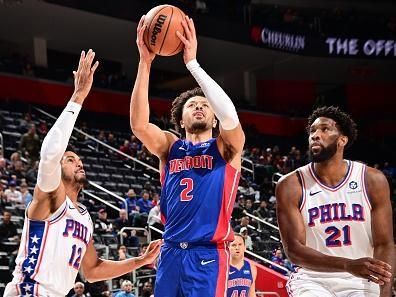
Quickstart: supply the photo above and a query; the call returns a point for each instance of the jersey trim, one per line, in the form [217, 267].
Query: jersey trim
[331, 188]
[303, 196]
[224, 266]
[364, 186]
[231, 178]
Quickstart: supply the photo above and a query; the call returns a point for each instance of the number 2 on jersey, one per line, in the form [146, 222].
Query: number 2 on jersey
[335, 233]
[189, 185]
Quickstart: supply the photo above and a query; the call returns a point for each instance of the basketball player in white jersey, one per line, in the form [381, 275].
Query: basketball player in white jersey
[335, 217]
[57, 233]
[242, 274]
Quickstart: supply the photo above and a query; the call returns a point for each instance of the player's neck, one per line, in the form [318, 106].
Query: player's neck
[332, 171]
[199, 137]
[72, 191]
[237, 263]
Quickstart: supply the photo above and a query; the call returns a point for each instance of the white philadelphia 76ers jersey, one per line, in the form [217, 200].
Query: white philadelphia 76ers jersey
[51, 252]
[337, 219]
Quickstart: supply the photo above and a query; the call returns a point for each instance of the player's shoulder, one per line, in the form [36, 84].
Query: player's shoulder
[375, 178]
[289, 179]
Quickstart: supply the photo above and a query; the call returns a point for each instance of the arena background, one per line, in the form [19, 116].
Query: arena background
[277, 60]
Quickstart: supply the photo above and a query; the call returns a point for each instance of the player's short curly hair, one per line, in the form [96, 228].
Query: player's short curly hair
[344, 122]
[177, 109]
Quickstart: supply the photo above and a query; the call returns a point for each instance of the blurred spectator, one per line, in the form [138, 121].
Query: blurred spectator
[244, 223]
[8, 230]
[144, 204]
[79, 289]
[126, 289]
[25, 123]
[31, 174]
[247, 238]
[131, 202]
[43, 128]
[12, 194]
[155, 199]
[122, 221]
[30, 143]
[147, 290]
[154, 219]
[26, 196]
[123, 253]
[4, 174]
[131, 240]
[262, 212]
[18, 170]
[278, 259]
[126, 148]
[102, 225]
[249, 206]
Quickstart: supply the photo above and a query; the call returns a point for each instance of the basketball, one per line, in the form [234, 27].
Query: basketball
[162, 22]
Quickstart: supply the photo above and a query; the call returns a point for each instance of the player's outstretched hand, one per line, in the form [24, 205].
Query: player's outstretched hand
[190, 40]
[83, 77]
[145, 55]
[152, 251]
[371, 269]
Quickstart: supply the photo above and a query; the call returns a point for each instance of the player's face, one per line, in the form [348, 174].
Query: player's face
[197, 115]
[237, 248]
[72, 169]
[323, 139]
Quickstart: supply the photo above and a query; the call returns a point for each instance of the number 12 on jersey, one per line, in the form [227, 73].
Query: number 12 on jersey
[188, 185]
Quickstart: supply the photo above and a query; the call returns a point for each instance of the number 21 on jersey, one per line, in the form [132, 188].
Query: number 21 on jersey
[188, 185]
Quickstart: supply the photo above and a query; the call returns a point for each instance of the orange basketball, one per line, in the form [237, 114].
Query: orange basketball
[160, 35]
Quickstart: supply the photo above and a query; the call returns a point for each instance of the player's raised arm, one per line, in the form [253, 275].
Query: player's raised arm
[49, 193]
[381, 222]
[292, 230]
[156, 140]
[96, 269]
[231, 132]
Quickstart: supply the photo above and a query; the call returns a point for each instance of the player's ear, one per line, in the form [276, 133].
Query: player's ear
[214, 123]
[182, 124]
[343, 140]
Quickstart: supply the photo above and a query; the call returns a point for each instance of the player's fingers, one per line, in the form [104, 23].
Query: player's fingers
[86, 65]
[187, 30]
[192, 28]
[182, 38]
[90, 59]
[82, 57]
[74, 73]
[140, 24]
[379, 270]
[141, 34]
[380, 263]
[373, 278]
[95, 66]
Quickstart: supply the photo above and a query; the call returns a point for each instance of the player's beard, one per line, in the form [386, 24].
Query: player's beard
[197, 127]
[325, 154]
[81, 180]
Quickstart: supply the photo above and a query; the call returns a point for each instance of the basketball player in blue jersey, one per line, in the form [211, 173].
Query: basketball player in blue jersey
[335, 217]
[199, 176]
[57, 234]
[242, 275]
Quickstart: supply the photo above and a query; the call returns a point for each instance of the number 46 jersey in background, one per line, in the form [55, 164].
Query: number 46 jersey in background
[51, 252]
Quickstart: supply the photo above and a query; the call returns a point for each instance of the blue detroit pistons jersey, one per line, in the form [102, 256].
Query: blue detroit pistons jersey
[239, 280]
[198, 193]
